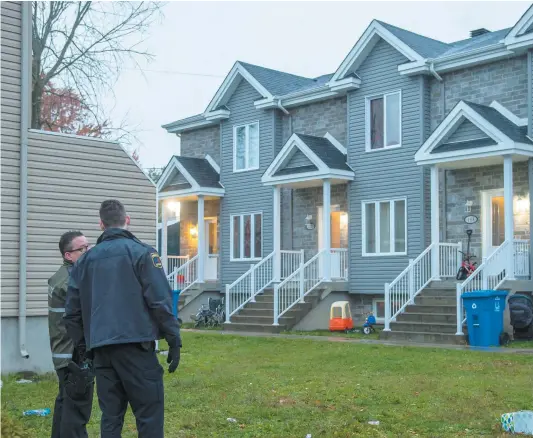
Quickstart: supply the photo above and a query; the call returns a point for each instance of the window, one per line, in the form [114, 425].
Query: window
[378, 308]
[246, 147]
[384, 227]
[384, 121]
[246, 236]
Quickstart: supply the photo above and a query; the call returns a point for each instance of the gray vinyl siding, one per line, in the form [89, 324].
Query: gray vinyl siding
[68, 178]
[384, 174]
[464, 132]
[244, 190]
[297, 160]
[10, 43]
[530, 93]
[425, 121]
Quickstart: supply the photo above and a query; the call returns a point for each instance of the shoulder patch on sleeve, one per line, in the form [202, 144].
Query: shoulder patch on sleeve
[156, 260]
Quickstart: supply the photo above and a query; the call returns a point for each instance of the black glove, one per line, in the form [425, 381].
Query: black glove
[173, 358]
[79, 379]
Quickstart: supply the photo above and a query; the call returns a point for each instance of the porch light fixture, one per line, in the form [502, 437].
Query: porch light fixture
[193, 232]
[344, 219]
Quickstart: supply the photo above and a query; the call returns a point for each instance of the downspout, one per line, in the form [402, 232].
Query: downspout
[24, 127]
[291, 203]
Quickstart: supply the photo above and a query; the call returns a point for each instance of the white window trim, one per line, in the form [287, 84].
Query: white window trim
[241, 237]
[247, 146]
[368, 145]
[377, 225]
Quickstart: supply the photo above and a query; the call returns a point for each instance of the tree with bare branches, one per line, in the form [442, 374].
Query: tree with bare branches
[81, 47]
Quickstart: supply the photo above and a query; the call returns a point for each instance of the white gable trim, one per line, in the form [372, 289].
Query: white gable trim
[323, 170]
[187, 193]
[213, 163]
[176, 165]
[462, 110]
[508, 114]
[336, 143]
[228, 87]
[360, 51]
[521, 25]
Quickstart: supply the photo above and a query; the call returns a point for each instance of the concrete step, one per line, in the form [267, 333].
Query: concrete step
[251, 327]
[435, 300]
[259, 309]
[435, 338]
[263, 320]
[438, 292]
[449, 318]
[423, 327]
[430, 309]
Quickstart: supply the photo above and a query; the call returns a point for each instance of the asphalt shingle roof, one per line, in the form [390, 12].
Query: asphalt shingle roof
[326, 151]
[499, 121]
[458, 146]
[201, 170]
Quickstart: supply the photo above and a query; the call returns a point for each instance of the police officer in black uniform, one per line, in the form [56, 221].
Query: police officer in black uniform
[119, 303]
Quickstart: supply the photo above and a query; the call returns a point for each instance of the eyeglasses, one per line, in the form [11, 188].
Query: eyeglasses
[81, 249]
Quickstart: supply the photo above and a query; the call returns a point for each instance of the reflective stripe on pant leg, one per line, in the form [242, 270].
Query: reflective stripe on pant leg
[61, 356]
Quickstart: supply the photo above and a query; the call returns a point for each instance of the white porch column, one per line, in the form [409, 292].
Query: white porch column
[276, 234]
[435, 223]
[508, 208]
[326, 220]
[164, 236]
[201, 239]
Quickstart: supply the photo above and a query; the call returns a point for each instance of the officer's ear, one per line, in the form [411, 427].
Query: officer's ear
[128, 220]
[102, 227]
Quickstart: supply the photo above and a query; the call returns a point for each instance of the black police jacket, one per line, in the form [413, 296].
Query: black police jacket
[118, 293]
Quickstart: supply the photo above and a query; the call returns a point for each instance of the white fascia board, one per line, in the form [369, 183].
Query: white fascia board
[308, 176]
[414, 68]
[175, 164]
[470, 59]
[460, 110]
[177, 127]
[336, 143]
[345, 84]
[227, 85]
[374, 30]
[521, 26]
[467, 154]
[521, 43]
[177, 194]
[215, 116]
[300, 98]
[213, 163]
[508, 114]
[166, 173]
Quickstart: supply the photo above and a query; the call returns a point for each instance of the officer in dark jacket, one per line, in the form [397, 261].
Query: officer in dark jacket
[72, 408]
[119, 302]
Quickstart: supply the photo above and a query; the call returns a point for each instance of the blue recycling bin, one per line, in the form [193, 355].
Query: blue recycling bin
[484, 316]
[175, 299]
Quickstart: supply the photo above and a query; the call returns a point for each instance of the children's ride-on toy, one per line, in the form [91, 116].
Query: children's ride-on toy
[340, 317]
[368, 326]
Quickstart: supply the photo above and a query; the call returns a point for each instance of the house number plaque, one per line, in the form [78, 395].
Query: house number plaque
[470, 219]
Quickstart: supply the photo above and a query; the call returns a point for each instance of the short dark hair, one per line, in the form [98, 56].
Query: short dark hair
[65, 242]
[112, 214]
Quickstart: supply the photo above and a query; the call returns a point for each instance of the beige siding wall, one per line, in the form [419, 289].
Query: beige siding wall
[10, 41]
[68, 178]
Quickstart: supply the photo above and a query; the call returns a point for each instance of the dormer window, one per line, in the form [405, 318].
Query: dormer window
[384, 121]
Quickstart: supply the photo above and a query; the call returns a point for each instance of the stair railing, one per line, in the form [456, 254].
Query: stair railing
[297, 286]
[186, 275]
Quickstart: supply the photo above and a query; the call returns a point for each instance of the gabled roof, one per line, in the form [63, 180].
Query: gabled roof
[187, 176]
[519, 35]
[322, 158]
[501, 132]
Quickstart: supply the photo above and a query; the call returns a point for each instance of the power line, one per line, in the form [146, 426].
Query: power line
[174, 72]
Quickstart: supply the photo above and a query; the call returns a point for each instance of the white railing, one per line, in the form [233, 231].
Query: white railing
[488, 276]
[339, 264]
[172, 279]
[174, 262]
[186, 275]
[521, 254]
[296, 286]
[290, 261]
[403, 290]
[248, 285]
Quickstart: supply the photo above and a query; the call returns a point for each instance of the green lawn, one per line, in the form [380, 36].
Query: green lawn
[277, 387]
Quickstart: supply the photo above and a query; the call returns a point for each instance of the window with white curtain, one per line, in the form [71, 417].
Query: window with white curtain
[246, 147]
[246, 236]
[384, 227]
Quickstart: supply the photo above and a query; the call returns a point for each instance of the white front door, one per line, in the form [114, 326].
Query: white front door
[211, 249]
[339, 229]
[493, 217]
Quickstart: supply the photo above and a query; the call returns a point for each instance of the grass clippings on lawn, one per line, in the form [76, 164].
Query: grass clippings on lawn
[276, 387]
